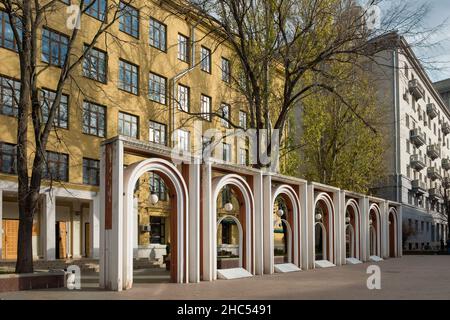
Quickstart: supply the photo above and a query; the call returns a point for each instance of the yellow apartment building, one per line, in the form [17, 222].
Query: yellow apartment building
[155, 63]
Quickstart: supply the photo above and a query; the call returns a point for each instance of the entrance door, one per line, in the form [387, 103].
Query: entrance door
[87, 239]
[61, 240]
[9, 239]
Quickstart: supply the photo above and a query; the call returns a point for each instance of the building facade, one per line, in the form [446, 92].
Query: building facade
[417, 126]
[144, 79]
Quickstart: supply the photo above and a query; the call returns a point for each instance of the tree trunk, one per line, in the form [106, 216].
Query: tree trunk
[24, 262]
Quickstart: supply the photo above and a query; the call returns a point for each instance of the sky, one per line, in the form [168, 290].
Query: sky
[436, 58]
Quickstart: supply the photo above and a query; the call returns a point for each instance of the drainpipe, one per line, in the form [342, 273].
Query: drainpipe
[173, 82]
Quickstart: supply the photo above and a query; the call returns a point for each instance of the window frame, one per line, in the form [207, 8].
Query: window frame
[3, 33]
[58, 163]
[97, 6]
[209, 60]
[226, 74]
[187, 54]
[206, 114]
[61, 58]
[90, 103]
[162, 125]
[14, 105]
[137, 125]
[137, 80]
[12, 154]
[165, 87]
[58, 111]
[89, 169]
[97, 69]
[150, 33]
[188, 98]
[138, 31]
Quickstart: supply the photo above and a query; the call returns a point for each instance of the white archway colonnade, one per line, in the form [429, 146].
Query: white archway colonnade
[194, 189]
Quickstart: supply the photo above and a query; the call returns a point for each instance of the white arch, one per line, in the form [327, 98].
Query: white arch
[325, 197]
[324, 238]
[393, 211]
[294, 230]
[238, 223]
[131, 175]
[235, 180]
[357, 230]
[374, 207]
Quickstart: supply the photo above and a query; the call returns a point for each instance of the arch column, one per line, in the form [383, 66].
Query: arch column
[270, 196]
[210, 258]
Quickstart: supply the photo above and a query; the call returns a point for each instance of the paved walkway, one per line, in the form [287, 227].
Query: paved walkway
[410, 277]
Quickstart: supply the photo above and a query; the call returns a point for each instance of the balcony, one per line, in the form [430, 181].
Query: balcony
[417, 137]
[433, 173]
[432, 110]
[434, 194]
[416, 89]
[419, 187]
[445, 128]
[417, 162]
[434, 151]
[446, 164]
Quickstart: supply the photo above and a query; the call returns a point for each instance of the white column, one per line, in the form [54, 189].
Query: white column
[94, 223]
[364, 211]
[342, 241]
[76, 230]
[384, 239]
[1, 222]
[135, 228]
[112, 263]
[208, 223]
[309, 225]
[268, 225]
[48, 226]
[337, 228]
[259, 223]
[400, 231]
[194, 223]
[304, 230]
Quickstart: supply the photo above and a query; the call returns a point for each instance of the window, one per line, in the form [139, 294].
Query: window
[91, 171]
[128, 125]
[157, 88]
[205, 59]
[226, 71]
[129, 20]
[157, 34]
[57, 167]
[206, 107]
[94, 65]
[9, 96]
[226, 115]
[243, 156]
[183, 98]
[8, 158]
[183, 48]
[158, 187]
[96, 8]
[157, 133]
[407, 121]
[183, 140]
[226, 195]
[227, 228]
[226, 152]
[7, 39]
[61, 119]
[128, 77]
[158, 230]
[54, 47]
[94, 119]
[243, 120]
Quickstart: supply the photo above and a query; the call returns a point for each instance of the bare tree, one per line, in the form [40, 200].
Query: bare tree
[284, 48]
[26, 19]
